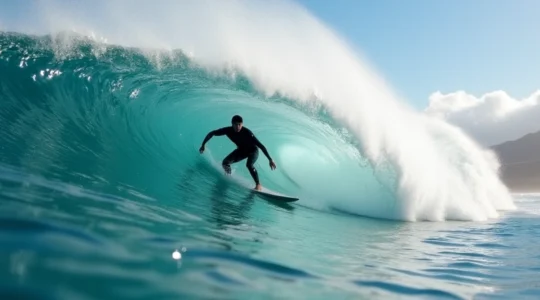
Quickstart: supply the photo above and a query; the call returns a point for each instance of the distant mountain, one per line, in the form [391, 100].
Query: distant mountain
[520, 163]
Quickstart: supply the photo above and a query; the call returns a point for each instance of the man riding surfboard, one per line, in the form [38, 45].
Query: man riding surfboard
[247, 147]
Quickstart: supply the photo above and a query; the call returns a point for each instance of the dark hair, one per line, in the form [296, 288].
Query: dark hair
[236, 119]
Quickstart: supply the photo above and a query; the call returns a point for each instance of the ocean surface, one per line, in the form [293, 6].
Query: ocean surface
[104, 194]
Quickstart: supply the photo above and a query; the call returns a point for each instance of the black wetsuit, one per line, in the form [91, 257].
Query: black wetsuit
[246, 144]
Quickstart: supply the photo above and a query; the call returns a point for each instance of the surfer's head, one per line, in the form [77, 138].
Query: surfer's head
[237, 123]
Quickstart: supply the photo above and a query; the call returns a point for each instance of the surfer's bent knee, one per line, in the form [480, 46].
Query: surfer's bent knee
[225, 163]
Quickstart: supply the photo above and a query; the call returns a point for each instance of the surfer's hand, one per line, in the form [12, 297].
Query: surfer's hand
[201, 150]
[272, 165]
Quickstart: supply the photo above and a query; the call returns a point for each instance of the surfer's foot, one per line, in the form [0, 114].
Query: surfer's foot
[258, 187]
[227, 170]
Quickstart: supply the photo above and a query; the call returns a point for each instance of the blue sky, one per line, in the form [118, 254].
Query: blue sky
[423, 46]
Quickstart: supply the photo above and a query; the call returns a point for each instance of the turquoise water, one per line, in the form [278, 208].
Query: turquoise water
[105, 196]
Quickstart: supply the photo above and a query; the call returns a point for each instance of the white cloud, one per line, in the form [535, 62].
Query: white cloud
[491, 119]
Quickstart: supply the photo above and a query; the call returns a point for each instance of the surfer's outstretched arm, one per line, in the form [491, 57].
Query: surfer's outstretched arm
[212, 133]
[263, 148]
[207, 138]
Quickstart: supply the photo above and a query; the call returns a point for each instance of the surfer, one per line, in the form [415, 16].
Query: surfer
[247, 147]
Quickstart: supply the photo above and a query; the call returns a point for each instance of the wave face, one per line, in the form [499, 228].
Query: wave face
[120, 111]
